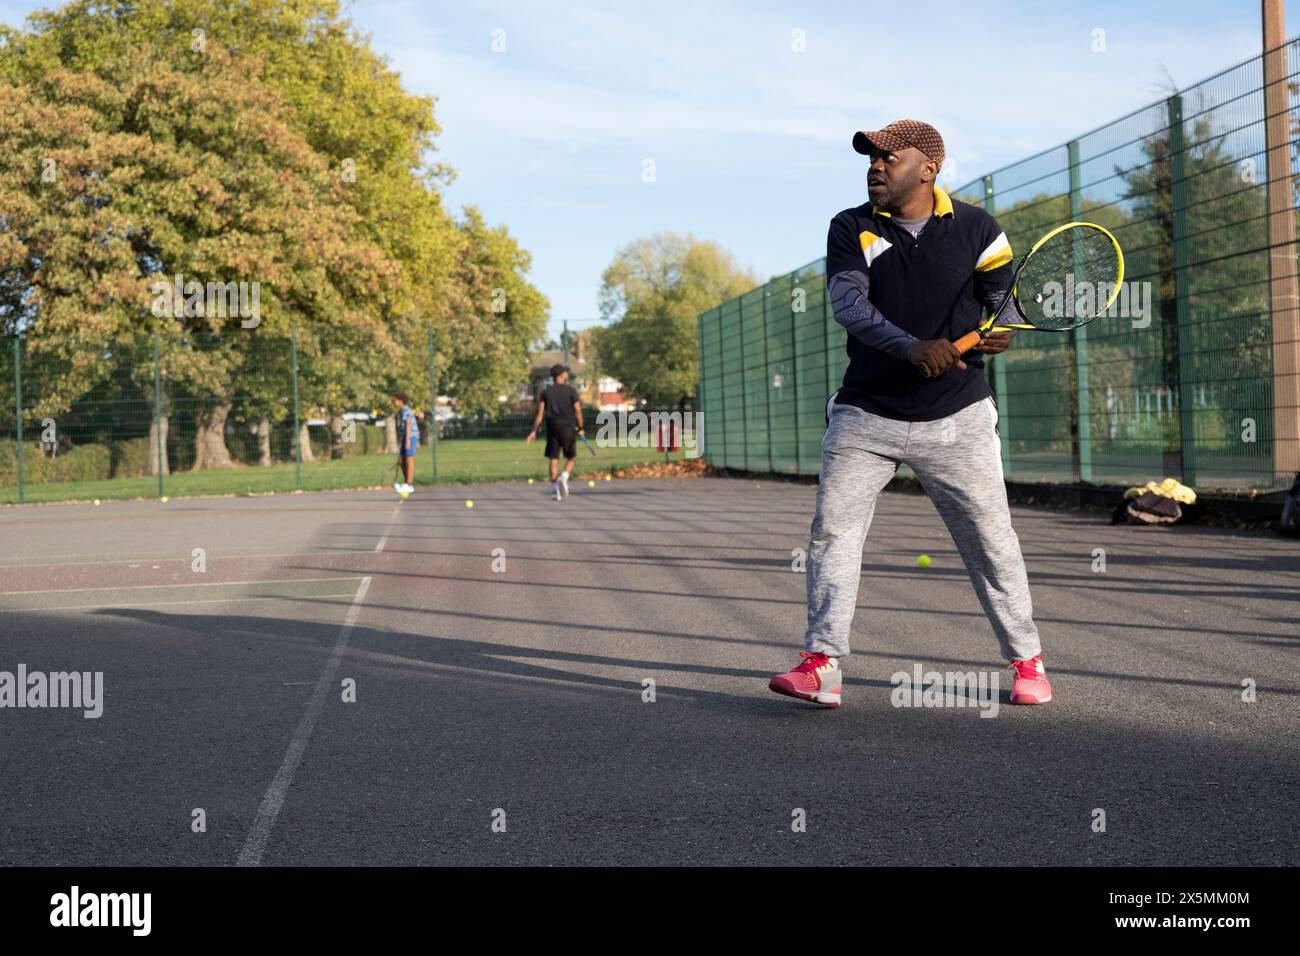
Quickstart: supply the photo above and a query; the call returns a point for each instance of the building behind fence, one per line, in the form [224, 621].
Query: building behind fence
[1200, 189]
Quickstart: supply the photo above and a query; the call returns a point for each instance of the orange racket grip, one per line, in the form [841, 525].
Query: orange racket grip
[967, 342]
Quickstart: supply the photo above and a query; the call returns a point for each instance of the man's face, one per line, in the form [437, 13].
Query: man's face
[893, 178]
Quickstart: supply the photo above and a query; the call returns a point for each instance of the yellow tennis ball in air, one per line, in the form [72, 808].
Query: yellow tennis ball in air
[923, 561]
[469, 504]
[96, 502]
[164, 499]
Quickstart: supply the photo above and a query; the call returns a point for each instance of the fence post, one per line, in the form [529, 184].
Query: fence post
[699, 351]
[767, 379]
[794, 374]
[744, 386]
[297, 427]
[1283, 280]
[1186, 455]
[433, 405]
[720, 403]
[998, 364]
[1082, 445]
[159, 442]
[18, 411]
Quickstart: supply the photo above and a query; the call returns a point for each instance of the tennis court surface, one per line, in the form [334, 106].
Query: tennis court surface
[515, 694]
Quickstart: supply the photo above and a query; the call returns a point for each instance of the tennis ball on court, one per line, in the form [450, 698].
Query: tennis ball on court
[923, 561]
[469, 504]
[405, 494]
[607, 478]
[164, 499]
[96, 502]
[591, 484]
[530, 481]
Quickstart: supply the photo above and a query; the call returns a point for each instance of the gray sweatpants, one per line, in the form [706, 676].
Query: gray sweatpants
[958, 461]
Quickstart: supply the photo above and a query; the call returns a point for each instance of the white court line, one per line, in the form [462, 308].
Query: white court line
[387, 528]
[166, 587]
[36, 561]
[255, 845]
[237, 599]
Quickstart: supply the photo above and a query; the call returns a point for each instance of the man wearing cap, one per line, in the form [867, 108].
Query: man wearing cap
[908, 272]
[563, 412]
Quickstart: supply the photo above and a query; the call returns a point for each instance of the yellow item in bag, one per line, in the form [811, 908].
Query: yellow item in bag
[1169, 488]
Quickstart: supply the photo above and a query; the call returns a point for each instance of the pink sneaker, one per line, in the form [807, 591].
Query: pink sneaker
[818, 679]
[1031, 685]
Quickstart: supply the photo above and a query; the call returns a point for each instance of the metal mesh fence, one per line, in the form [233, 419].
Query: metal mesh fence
[144, 416]
[1194, 372]
[247, 413]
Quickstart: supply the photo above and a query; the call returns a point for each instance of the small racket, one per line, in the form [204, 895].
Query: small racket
[587, 443]
[1084, 251]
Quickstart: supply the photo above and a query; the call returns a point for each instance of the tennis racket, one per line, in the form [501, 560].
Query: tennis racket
[587, 443]
[1083, 252]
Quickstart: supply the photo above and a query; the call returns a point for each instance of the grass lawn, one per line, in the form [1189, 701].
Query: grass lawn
[460, 460]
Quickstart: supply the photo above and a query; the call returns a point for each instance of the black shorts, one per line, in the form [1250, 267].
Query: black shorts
[561, 438]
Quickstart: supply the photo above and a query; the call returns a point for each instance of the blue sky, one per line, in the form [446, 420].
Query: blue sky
[750, 139]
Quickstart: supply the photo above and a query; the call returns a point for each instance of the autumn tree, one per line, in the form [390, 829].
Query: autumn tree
[258, 140]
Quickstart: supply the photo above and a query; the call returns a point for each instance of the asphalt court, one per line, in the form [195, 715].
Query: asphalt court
[516, 690]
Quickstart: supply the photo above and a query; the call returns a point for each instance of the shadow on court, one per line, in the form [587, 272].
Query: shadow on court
[526, 690]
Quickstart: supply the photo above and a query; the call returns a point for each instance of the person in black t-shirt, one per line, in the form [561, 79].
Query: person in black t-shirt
[563, 413]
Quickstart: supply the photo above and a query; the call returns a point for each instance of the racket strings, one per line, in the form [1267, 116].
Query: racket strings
[1069, 279]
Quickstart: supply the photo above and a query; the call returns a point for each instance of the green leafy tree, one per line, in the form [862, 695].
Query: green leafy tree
[654, 291]
[351, 238]
[186, 166]
[493, 315]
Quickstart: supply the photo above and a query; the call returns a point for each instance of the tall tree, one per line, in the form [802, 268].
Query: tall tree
[493, 315]
[654, 291]
[384, 261]
[178, 166]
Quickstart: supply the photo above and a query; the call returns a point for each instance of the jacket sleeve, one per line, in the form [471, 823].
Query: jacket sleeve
[993, 270]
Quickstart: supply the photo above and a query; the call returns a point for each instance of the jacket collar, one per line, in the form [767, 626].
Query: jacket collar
[942, 205]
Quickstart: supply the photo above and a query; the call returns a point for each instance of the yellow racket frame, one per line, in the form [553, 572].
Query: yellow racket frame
[971, 339]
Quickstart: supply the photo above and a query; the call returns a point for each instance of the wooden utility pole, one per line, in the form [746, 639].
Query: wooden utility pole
[1284, 287]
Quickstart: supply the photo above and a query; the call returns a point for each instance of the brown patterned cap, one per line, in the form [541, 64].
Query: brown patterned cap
[899, 135]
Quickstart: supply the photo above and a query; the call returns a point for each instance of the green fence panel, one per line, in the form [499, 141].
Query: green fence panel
[782, 375]
[757, 420]
[711, 386]
[733, 387]
[812, 364]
